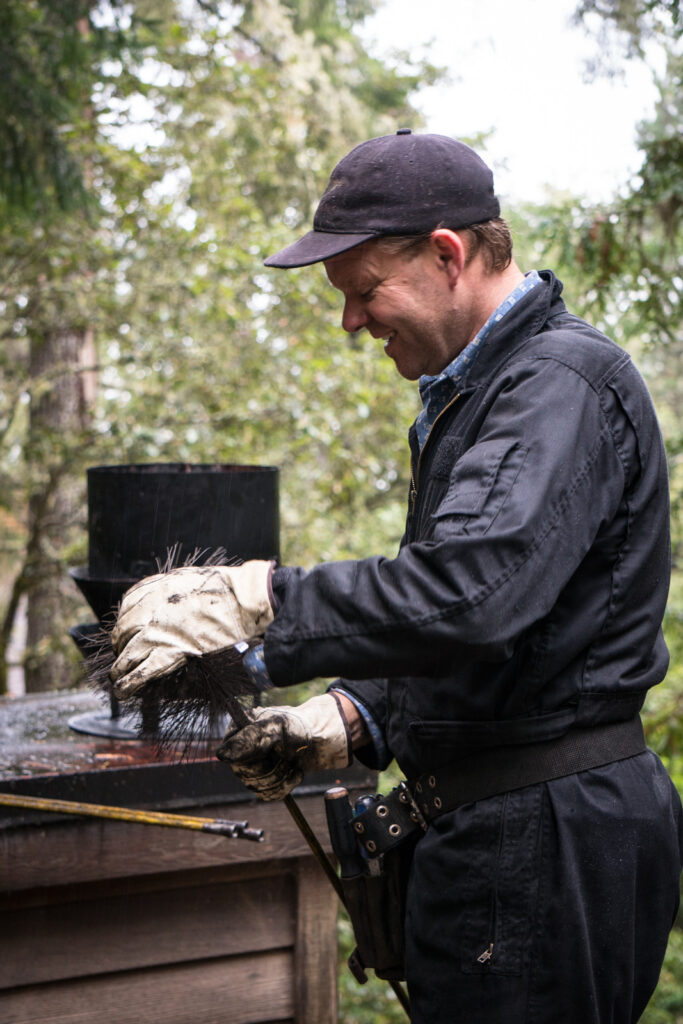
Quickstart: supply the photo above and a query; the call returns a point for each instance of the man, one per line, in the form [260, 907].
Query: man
[512, 640]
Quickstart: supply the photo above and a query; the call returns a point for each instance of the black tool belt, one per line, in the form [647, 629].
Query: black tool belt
[488, 773]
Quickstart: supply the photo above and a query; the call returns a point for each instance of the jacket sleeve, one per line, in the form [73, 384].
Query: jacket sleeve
[522, 508]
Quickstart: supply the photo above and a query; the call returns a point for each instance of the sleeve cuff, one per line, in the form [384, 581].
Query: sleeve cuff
[255, 664]
[277, 585]
[379, 747]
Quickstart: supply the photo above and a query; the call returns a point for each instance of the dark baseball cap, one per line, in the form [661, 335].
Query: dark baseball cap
[400, 184]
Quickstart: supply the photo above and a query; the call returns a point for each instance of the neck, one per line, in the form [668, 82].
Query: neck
[487, 291]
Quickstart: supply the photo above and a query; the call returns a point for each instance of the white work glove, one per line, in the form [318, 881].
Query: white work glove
[271, 754]
[196, 610]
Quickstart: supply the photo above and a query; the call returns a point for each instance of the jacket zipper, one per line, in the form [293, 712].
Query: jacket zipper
[414, 478]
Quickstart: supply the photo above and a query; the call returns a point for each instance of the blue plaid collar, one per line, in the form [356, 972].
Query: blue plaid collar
[436, 392]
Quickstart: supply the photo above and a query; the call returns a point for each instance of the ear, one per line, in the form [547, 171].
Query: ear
[450, 251]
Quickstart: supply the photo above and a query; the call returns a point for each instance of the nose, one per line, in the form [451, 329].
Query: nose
[354, 316]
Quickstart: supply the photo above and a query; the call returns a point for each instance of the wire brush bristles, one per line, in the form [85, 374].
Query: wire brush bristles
[189, 707]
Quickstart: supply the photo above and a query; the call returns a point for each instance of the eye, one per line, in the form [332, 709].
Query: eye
[368, 296]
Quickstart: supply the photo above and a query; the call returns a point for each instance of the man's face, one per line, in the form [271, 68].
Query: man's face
[404, 299]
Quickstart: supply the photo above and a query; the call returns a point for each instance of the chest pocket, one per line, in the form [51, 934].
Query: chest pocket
[479, 485]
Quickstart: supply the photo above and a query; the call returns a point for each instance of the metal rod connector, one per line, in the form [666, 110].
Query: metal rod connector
[219, 826]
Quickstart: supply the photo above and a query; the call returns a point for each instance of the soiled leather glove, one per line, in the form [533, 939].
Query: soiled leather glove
[189, 611]
[272, 753]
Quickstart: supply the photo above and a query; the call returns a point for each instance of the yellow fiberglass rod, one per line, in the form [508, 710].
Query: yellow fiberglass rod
[216, 826]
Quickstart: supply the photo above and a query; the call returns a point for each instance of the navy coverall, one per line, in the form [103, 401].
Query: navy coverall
[526, 599]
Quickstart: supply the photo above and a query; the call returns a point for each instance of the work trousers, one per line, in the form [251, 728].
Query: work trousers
[549, 905]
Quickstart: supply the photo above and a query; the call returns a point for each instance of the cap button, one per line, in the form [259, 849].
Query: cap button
[404, 131]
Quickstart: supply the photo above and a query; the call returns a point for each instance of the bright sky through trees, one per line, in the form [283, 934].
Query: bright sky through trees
[519, 70]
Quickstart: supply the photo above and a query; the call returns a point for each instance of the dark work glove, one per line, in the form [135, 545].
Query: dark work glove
[280, 744]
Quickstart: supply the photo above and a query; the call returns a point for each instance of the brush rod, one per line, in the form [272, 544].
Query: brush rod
[241, 718]
[325, 863]
[216, 826]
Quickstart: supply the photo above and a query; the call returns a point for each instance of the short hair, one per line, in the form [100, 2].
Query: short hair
[492, 239]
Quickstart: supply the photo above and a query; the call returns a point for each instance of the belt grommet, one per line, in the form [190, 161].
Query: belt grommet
[432, 781]
[371, 846]
[382, 811]
[418, 787]
[395, 830]
[437, 803]
[359, 826]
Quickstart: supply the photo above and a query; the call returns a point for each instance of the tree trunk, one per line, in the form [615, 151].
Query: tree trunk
[62, 388]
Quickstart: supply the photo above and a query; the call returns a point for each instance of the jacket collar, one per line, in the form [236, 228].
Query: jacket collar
[523, 321]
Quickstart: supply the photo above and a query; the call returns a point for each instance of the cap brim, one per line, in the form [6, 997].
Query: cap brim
[315, 247]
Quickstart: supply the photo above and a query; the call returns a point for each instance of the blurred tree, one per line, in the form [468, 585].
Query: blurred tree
[51, 55]
[206, 140]
[213, 358]
[45, 56]
[637, 22]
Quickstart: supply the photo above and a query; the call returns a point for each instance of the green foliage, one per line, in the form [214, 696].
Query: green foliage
[206, 133]
[51, 55]
[372, 1003]
[207, 357]
[636, 18]
[38, 100]
[628, 27]
[666, 1006]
